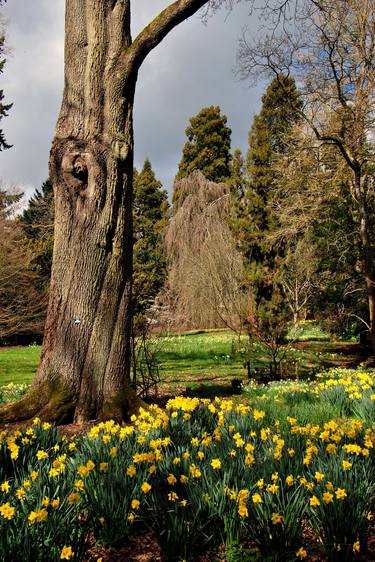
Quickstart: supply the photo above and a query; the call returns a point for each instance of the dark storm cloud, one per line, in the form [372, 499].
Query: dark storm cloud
[190, 69]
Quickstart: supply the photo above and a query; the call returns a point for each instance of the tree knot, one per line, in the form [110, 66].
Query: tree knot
[80, 171]
[75, 171]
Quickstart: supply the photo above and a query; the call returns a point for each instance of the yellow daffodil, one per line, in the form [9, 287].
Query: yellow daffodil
[66, 553]
[7, 511]
[314, 502]
[327, 497]
[145, 487]
[301, 553]
[276, 518]
[340, 494]
[256, 498]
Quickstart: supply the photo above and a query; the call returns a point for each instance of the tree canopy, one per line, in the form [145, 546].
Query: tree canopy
[330, 53]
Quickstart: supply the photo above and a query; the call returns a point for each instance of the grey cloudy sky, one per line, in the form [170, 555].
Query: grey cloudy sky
[190, 69]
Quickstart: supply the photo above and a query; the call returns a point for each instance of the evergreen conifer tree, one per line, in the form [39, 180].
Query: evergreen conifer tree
[150, 218]
[207, 148]
[37, 223]
[268, 138]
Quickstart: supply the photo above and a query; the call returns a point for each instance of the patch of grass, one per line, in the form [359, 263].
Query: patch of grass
[218, 357]
[194, 359]
[199, 354]
[18, 364]
[308, 330]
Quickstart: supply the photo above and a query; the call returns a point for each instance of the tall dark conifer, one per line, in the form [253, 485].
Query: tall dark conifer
[252, 191]
[268, 139]
[207, 148]
[150, 217]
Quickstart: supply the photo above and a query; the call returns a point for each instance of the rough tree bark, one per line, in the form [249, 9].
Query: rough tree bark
[84, 370]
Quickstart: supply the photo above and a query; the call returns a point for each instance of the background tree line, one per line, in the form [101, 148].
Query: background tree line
[256, 241]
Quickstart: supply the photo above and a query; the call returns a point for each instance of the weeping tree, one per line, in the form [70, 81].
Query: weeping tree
[205, 271]
[85, 363]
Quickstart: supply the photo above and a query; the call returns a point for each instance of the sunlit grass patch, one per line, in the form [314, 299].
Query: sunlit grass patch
[18, 364]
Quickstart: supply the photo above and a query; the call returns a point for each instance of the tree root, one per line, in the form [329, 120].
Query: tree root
[49, 401]
[52, 402]
[122, 406]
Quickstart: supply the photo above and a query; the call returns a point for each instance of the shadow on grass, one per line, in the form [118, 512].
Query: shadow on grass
[211, 390]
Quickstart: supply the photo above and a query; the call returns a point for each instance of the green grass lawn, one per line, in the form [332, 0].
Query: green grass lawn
[193, 359]
[215, 358]
[18, 364]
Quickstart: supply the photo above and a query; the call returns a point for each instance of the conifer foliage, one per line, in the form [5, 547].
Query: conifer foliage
[267, 140]
[253, 184]
[37, 222]
[207, 148]
[150, 218]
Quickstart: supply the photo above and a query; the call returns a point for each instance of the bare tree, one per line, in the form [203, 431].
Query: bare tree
[85, 364]
[297, 277]
[22, 305]
[329, 47]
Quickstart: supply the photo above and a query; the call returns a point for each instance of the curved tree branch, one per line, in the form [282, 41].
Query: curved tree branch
[155, 32]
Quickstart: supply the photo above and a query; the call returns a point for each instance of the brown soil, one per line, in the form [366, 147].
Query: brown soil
[143, 547]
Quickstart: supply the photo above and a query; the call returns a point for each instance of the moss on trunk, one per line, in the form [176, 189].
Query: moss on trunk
[50, 401]
[122, 406]
[53, 402]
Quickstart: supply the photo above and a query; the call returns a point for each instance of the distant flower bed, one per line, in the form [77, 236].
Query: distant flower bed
[199, 474]
[353, 390]
[11, 392]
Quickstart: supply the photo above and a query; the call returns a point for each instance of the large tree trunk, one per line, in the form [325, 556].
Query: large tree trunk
[85, 368]
[86, 345]
[84, 371]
